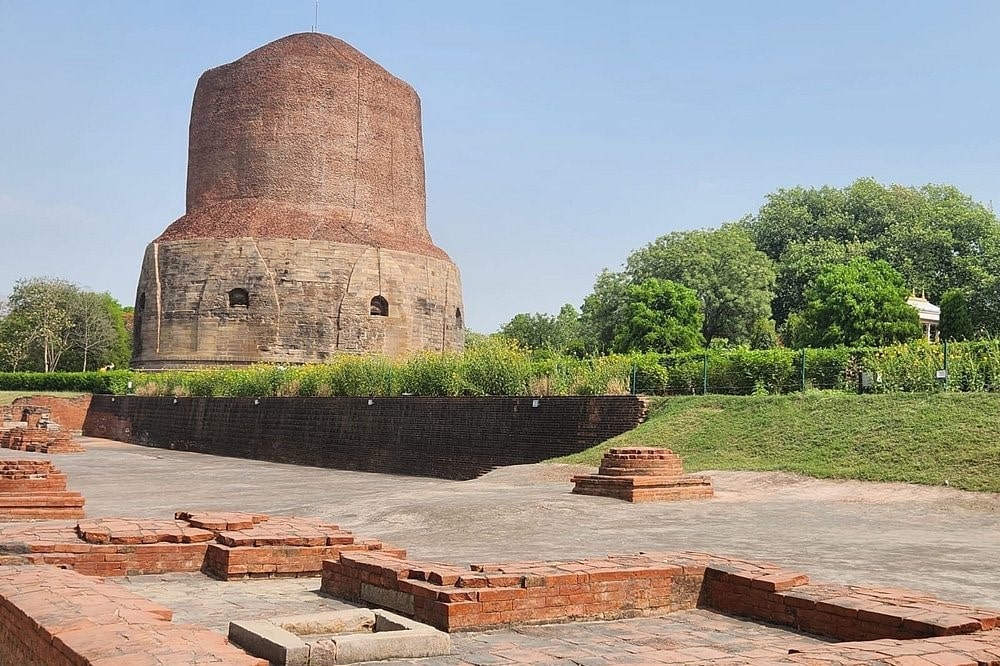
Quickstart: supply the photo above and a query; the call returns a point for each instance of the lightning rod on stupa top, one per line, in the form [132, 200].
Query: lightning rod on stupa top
[316, 17]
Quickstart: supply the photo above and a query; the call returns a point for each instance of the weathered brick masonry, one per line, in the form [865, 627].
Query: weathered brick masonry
[452, 438]
[51, 617]
[452, 598]
[69, 413]
[29, 427]
[223, 545]
[643, 474]
[33, 489]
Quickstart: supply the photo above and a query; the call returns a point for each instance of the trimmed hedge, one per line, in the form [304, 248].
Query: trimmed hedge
[82, 382]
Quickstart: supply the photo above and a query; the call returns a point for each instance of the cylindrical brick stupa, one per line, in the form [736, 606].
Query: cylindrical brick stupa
[305, 233]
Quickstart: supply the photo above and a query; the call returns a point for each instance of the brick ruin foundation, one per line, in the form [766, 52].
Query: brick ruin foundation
[888, 626]
[35, 489]
[51, 617]
[643, 474]
[620, 586]
[222, 545]
[68, 412]
[31, 428]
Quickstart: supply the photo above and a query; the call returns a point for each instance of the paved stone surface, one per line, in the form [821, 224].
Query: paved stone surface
[937, 540]
[197, 599]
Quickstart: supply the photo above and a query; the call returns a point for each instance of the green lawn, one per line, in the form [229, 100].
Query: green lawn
[7, 397]
[917, 438]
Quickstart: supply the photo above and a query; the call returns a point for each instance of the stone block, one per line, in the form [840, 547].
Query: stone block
[269, 641]
[339, 637]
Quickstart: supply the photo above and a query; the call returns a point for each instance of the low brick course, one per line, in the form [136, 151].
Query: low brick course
[52, 617]
[260, 547]
[643, 474]
[35, 489]
[486, 596]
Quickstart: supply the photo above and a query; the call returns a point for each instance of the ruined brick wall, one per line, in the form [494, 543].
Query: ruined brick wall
[305, 220]
[52, 617]
[69, 413]
[452, 438]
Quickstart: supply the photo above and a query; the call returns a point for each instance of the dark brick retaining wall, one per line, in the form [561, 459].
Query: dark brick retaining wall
[451, 438]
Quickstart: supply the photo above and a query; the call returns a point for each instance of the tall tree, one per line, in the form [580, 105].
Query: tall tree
[534, 331]
[801, 263]
[38, 309]
[733, 280]
[98, 336]
[48, 324]
[602, 310]
[659, 315]
[956, 324]
[935, 236]
[858, 304]
[541, 331]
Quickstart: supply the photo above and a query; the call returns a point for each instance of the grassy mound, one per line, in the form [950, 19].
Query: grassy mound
[932, 439]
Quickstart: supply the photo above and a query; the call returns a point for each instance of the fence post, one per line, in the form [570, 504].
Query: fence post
[388, 383]
[947, 375]
[634, 387]
[802, 374]
[704, 375]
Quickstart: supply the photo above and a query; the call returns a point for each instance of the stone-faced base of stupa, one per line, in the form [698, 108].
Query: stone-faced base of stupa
[643, 474]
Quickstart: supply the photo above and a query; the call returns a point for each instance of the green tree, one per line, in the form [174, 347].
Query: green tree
[956, 324]
[534, 331]
[98, 336]
[38, 321]
[602, 311]
[734, 281]
[16, 338]
[800, 264]
[858, 304]
[541, 331]
[659, 315]
[48, 324]
[935, 236]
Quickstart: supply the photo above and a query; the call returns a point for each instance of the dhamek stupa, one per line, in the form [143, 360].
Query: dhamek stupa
[305, 233]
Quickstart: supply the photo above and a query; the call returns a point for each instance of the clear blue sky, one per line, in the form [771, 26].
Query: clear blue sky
[559, 135]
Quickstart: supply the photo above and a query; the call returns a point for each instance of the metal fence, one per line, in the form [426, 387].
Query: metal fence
[973, 366]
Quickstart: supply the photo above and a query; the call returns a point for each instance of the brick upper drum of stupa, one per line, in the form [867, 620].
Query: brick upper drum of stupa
[643, 474]
[305, 231]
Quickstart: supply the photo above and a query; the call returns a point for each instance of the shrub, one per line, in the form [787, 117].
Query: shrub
[495, 366]
[82, 382]
[432, 374]
[604, 375]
